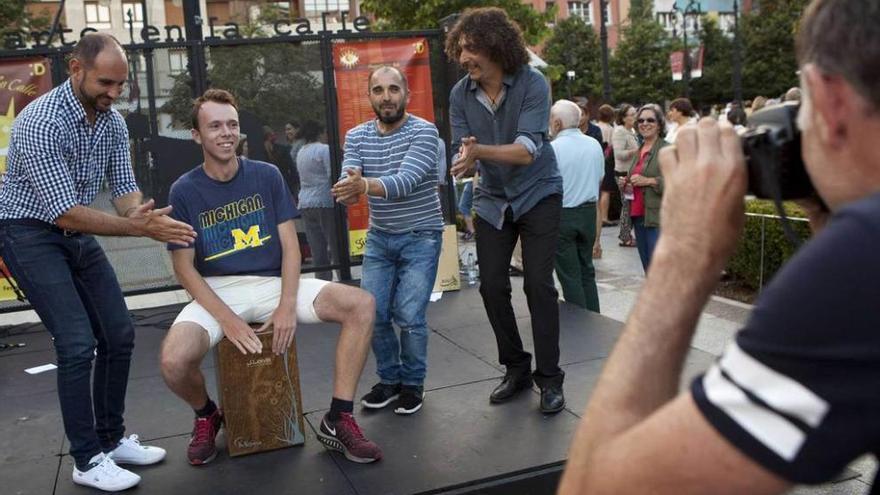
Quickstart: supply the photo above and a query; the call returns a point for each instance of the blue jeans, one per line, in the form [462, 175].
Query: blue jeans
[73, 289]
[399, 271]
[466, 201]
[646, 240]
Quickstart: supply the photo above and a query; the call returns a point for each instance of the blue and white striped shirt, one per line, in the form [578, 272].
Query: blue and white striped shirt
[405, 161]
[57, 159]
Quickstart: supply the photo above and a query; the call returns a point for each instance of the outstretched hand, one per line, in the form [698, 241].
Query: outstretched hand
[157, 225]
[348, 190]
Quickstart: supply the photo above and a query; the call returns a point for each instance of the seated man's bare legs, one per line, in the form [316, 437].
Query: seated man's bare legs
[354, 309]
[180, 359]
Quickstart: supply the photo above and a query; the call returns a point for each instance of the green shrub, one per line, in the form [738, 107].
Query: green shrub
[746, 264]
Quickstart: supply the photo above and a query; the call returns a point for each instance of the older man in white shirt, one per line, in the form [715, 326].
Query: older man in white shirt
[582, 166]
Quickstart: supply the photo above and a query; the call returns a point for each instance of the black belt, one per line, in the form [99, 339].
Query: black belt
[33, 222]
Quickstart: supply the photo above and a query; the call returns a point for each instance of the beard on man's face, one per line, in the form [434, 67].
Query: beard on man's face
[392, 117]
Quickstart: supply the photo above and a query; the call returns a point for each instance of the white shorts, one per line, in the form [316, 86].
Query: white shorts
[253, 299]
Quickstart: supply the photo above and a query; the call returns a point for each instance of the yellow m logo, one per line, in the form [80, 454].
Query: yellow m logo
[243, 239]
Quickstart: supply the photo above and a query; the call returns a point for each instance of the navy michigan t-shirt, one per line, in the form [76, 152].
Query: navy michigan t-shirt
[236, 221]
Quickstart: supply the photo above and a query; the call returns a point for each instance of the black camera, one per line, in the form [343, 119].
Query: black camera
[772, 147]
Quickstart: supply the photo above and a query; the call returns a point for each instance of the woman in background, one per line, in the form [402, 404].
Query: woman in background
[315, 202]
[624, 146]
[647, 182]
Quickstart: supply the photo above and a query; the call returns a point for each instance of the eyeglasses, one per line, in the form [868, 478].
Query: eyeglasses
[647, 121]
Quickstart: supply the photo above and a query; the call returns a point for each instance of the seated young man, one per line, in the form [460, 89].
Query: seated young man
[243, 268]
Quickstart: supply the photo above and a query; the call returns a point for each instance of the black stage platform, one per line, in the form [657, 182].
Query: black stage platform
[458, 443]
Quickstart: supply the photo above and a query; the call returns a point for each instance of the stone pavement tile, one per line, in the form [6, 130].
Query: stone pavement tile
[33, 477]
[305, 469]
[850, 487]
[449, 363]
[713, 334]
[581, 378]
[31, 429]
[457, 437]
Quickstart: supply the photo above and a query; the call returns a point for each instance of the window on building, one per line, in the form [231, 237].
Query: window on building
[177, 61]
[606, 15]
[315, 7]
[137, 14]
[97, 15]
[548, 6]
[582, 10]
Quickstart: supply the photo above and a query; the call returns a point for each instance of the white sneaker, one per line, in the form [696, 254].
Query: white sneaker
[104, 474]
[130, 451]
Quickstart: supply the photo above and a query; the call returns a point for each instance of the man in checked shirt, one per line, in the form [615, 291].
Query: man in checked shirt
[63, 146]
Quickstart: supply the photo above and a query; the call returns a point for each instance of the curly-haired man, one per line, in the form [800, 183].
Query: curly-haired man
[500, 113]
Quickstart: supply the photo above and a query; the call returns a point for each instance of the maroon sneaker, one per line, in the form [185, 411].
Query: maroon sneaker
[201, 449]
[344, 435]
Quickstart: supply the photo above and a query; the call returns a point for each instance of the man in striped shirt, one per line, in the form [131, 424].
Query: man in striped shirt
[794, 398]
[393, 161]
[63, 146]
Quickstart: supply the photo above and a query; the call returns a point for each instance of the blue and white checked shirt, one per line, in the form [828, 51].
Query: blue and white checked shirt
[57, 159]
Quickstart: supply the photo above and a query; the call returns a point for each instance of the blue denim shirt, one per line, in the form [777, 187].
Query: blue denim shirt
[523, 113]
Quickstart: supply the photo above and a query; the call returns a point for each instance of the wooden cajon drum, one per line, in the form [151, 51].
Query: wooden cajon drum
[260, 397]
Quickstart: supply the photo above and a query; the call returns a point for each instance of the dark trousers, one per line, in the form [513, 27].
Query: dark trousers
[73, 289]
[538, 230]
[574, 258]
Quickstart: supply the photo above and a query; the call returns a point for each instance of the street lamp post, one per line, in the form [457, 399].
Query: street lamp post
[570, 76]
[693, 7]
[603, 37]
[737, 56]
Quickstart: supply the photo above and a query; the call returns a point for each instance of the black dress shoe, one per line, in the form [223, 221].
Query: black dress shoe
[552, 399]
[509, 387]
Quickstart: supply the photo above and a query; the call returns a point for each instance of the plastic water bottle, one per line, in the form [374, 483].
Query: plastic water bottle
[471, 270]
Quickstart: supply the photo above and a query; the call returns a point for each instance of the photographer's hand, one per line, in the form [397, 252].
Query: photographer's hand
[702, 212]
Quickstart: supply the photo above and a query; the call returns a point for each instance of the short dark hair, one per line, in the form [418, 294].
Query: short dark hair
[310, 131]
[493, 34]
[683, 105]
[843, 37]
[215, 95]
[622, 111]
[658, 115]
[606, 114]
[387, 67]
[736, 116]
[89, 46]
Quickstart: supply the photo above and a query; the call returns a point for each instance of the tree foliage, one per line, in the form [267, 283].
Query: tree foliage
[403, 15]
[640, 68]
[574, 46]
[716, 83]
[768, 47]
[15, 18]
[275, 81]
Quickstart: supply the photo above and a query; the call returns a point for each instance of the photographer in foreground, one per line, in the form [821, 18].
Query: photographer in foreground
[794, 398]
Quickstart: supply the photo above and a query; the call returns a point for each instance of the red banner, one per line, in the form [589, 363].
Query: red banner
[676, 61]
[21, 82]
[352, 64]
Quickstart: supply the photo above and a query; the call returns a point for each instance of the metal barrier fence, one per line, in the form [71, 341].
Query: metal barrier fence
[764, 243]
